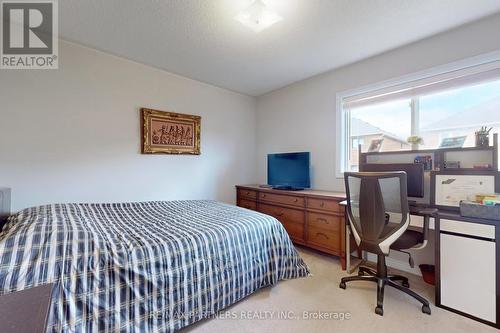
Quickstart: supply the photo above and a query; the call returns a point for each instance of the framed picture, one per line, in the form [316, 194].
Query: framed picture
[375, 145]
[170, 133]
[456, 142]
[448, 188]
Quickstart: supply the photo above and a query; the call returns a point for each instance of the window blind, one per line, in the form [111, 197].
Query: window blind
[429, 85]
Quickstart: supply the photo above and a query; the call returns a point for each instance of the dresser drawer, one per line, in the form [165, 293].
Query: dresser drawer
[292, 219]
[247, 193]
[282, 199]
[323, 204]
[294, 230]
[324, 238]
[328, 222]
[283, 214]
[248, 204]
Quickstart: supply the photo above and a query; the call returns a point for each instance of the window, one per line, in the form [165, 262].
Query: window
[457, 103]
[459, 112]
[356, 142]
[388, 121]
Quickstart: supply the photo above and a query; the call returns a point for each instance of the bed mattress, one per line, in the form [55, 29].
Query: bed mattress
[143, 267]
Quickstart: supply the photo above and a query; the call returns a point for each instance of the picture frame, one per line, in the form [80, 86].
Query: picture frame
[375, 145]
[448, 188]
[455, 142]
[170, 133]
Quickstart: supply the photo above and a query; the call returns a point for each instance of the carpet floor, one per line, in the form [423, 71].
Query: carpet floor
[317, 304]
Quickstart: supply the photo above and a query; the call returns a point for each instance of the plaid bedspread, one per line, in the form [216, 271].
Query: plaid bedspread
[143, 267]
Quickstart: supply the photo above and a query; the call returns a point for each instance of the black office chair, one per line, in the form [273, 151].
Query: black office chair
[378, 212]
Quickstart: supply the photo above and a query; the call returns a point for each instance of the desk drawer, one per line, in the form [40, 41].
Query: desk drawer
[247, 193]
[283, 199]
[468, 275]
[328, 222]
[324, 238]
[323, 204]
[468, 228]
[248, 204]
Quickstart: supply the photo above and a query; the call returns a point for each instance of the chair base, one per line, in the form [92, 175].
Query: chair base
[381, 278]
[363, 270]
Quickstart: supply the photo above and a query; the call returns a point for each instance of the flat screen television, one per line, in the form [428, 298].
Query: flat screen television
[289, 171]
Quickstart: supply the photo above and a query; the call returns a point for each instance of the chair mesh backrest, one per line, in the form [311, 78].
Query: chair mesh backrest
[375, 199]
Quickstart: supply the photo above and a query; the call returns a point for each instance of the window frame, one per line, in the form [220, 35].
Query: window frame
[343, 117]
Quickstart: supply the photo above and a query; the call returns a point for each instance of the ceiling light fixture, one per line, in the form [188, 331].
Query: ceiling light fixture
[258, 16]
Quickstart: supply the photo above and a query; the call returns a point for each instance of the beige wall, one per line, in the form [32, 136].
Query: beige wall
[73, 134]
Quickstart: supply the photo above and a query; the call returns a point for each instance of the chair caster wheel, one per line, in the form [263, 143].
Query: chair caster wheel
[406, 284]
[379, 310]
[342, 285]
[426, 309]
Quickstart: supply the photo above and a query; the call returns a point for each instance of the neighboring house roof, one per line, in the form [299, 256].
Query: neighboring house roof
[362, 128]
[484, 114]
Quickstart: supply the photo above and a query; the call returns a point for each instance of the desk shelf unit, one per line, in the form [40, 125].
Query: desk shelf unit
[467, 155]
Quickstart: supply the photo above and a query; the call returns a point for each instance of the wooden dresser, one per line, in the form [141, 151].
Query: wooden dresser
[312, 218]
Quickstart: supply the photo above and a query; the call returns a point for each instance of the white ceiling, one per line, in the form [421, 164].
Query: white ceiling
[201, 40]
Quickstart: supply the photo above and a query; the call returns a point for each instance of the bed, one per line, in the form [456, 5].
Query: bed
[143, 267]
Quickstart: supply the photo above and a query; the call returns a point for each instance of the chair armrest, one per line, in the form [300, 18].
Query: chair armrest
[427, 213]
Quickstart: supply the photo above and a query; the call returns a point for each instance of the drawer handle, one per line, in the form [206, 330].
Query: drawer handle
[263, 195]
[279, 213]
[248, 193]
[296, 200]
[320, 219]
[322, 204]
[322, 234]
